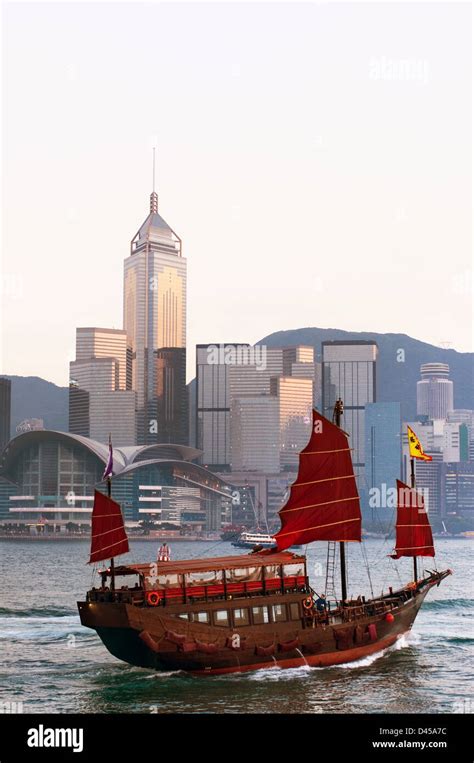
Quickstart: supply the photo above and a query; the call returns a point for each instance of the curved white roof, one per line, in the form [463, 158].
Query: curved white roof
[123, 457]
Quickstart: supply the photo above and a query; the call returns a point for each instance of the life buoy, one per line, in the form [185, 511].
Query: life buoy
[153, 598]
[308, 603]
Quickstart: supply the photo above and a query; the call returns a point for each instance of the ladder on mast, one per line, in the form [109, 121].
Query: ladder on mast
[330, 591]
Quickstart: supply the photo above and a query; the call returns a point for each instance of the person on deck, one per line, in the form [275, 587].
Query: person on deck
[164, 554]
[321, 603]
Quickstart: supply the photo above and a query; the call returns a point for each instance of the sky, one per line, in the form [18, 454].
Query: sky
[315, 159]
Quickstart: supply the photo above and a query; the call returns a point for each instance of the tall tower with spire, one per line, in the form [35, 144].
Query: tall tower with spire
[155, 322]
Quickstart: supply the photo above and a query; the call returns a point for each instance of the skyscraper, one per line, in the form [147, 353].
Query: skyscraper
[349, 372]
[458, 483]
[155, 321]
[429, 481]
[5, 410]
[295, 402]
[269, 431]
[234, 381]
[105, 343]
[255, 434]
[213, 405]
[101, 401]
[383, 452]
[434, 391]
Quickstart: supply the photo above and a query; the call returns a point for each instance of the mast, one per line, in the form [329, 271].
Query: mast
[413, 485]
[108, 535]
[338, 411]
[112, 561]
[415, 450]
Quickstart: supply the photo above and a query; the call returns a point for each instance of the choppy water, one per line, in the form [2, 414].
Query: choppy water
[50, 663]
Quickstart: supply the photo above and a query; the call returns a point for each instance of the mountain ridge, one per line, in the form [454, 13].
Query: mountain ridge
[35, 397]
[396, 379]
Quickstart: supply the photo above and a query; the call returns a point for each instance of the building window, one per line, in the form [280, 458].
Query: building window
[279, 613]
[295, 611]
[241, 617]
[260, 615]
[201, 617]
[221, 617]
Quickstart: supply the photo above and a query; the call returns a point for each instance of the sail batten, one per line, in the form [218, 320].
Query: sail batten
[108, 536]
[413, 529]
[324, 502]
[327, 479]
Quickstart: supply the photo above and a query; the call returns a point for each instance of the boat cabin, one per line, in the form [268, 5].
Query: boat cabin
[187, 581]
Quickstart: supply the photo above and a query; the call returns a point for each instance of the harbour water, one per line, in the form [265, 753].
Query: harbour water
[50, 663]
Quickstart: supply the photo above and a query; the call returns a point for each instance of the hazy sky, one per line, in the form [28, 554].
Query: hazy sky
[314, 158]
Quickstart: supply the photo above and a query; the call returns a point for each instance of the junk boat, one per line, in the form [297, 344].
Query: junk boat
[250, 611]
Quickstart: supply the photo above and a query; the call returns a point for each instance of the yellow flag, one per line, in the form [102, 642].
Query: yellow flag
[416, 450]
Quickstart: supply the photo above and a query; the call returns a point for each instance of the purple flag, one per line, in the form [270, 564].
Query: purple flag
[108, 472]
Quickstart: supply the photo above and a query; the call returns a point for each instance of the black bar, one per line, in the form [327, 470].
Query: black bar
[368, 735]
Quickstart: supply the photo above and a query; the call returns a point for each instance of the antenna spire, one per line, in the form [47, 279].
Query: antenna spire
[153, 195]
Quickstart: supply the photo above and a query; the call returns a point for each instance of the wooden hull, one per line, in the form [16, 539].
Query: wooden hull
[156, 638]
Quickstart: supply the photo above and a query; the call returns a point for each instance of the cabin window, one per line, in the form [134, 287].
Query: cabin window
[201, 617]
[260, 615]
[184, 616]
[273, 571]
[241, 617]
[295, 611]
[293, 570]
[208, 577]
[154, 582]
[244, 575]
[279, 613]
[221, 617]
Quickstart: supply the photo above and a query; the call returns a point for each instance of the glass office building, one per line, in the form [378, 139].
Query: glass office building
[101, 401]
[383, 453]
[212, 406]
[155, 318]
[434, 392]
[349, 372]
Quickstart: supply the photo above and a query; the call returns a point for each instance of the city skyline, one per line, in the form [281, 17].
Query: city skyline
[247, 183]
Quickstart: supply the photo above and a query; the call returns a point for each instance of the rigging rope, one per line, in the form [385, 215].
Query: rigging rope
[209, 548]
[367, 567]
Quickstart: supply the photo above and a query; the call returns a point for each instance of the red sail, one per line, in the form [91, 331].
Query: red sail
[108, 532]
[324, 502]
[414, 536]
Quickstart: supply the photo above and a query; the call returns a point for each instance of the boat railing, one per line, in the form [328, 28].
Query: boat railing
[191, 594]
[351, 612]
[123, 595]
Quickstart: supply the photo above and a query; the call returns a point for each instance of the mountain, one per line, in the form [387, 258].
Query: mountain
[397, 374]
[398, 363]
[35, 398]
